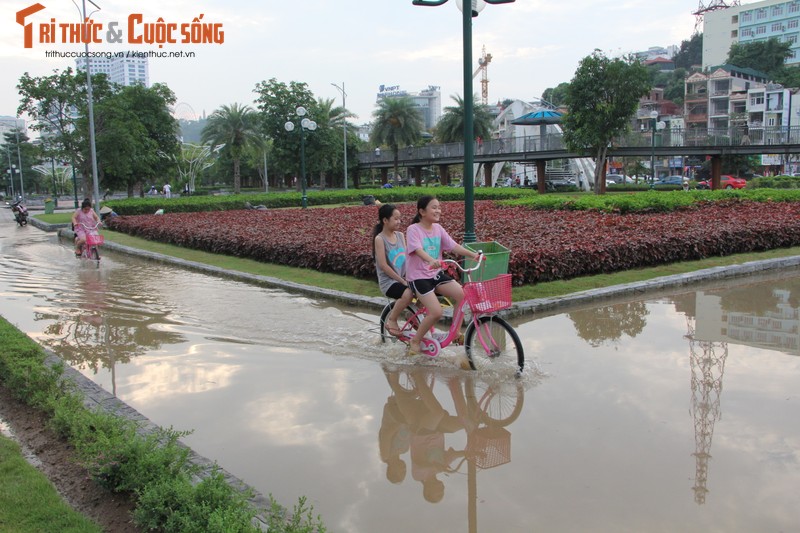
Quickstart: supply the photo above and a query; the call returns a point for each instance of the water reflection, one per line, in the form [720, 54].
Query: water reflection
[609, 323]
[415, 424]
[99, 329]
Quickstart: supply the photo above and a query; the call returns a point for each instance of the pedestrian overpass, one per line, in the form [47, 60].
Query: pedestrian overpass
[490, 154]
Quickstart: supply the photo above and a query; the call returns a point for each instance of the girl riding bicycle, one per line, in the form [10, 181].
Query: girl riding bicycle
[83, 218]
[389, 251]
[426, 242]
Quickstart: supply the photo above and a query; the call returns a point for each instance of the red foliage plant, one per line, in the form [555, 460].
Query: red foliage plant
[545, 245]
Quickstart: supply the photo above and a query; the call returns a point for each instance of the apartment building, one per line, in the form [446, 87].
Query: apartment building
[718, 99]
[758, 21]
[124, 71]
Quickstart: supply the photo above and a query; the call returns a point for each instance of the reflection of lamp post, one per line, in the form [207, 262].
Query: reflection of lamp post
[305, 124]
[469, 136]
[344, 127]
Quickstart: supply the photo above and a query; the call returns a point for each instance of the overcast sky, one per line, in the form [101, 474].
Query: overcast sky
[535, 44]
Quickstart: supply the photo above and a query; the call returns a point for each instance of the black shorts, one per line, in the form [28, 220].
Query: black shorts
[421, 287]
[396, 291]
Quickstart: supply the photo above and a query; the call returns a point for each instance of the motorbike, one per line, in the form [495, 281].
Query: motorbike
[20, 212]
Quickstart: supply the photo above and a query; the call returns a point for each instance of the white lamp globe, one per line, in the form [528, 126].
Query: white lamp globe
[477, 6]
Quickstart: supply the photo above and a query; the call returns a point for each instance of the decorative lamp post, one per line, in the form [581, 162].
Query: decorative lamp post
[11, 171]
[344, 127]
[19, 160]
[656, 125]
[305, 124]
[469, 136]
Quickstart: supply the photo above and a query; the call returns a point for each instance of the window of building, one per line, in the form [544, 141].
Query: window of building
[735, 19]
[747, 16]
[761, 14]
[791, 38]
[777, 26]
[771, 121]
[761, 29]
[734, 34]
[794, 23]
[747, 32]
[777, 10]
[757, 99]
[794, 7]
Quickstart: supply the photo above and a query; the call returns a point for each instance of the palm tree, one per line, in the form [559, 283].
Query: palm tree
[451, 126]
[235, 127]
[398, 123]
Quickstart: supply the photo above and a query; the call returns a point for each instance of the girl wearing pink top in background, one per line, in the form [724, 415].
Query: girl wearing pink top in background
[426, 240]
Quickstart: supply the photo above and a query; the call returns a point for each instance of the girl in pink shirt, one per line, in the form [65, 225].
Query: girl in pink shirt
[426, 240]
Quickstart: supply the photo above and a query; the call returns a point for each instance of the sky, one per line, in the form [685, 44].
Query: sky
[361, 44]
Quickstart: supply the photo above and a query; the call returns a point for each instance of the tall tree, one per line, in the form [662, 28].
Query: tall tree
[58, 106]
[277, 102]
[137, 137]
[602, 98]
[398, 123]
[236, 127]
[450, 128]
[690, 53]
[767, 56]
[17, 146]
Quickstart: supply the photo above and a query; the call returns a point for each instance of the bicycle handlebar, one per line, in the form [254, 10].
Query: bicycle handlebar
[481, 257]
[90, 228]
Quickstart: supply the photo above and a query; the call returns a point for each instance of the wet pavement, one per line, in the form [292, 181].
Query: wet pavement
[674, 411]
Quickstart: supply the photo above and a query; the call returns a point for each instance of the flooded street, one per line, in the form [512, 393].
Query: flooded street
[674, 413]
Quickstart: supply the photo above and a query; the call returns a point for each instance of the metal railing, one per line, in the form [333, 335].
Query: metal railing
[500, 149]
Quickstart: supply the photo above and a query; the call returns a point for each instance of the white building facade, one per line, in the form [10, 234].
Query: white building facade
[125, 71]
[428, 101]
[747, 23]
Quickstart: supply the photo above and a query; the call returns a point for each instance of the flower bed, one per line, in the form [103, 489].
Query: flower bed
[546, 245]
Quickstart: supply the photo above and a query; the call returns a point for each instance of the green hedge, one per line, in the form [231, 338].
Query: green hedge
[775, 182]
[652, 201]
[147, 206]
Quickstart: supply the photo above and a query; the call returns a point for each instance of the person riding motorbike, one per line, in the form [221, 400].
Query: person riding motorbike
[83, 217]
[20, 212]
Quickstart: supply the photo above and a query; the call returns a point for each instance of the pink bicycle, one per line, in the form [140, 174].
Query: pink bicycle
[91, 248]
[489, 341]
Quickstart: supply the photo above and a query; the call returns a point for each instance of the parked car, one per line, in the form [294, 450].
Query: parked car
[670, 180]
[725, 182]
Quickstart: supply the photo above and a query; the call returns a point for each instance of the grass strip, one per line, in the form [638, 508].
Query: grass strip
[28, 502]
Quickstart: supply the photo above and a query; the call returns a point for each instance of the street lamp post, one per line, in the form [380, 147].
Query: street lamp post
[11, 171]
[305, 124]
[469, 148]
[655, 126]
[19, 160]
[344, 127]
[90, 98]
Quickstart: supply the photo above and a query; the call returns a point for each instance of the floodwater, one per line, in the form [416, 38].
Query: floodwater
[674, 413]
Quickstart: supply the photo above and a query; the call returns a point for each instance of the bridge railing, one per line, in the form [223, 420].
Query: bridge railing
[675, 137]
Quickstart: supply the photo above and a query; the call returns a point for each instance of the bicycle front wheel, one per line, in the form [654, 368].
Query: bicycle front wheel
[95, 253]
[493, 344]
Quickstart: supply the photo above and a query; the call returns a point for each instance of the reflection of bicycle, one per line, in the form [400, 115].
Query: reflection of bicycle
[489, 341]
[91, 248]
[415, 422]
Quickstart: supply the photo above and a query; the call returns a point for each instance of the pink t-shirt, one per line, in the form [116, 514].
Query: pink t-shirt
[433, 242]
[84, 218]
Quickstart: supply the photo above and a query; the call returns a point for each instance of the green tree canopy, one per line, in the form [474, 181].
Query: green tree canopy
[556, 95]
[690, 53]
[398, 123]
[450, 128]
[767, 56]
[601, 99]
[235, 127]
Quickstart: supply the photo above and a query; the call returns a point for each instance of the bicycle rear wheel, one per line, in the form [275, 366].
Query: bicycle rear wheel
[95, 253]
[494, 345]
[409, 315]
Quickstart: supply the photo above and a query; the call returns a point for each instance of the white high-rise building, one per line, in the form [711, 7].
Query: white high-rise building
[120, 70]
[428, 101]
[748, 23]
[9, 124]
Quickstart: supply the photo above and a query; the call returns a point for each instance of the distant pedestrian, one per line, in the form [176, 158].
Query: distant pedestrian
[186, 189]
[167, 191]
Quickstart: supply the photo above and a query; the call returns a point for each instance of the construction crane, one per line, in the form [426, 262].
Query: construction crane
[710, 5]
[483, 62]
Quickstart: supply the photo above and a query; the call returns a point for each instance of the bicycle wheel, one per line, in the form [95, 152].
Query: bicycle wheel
[494, 345]
[409, 315]
[499, 404]
[95, 253]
